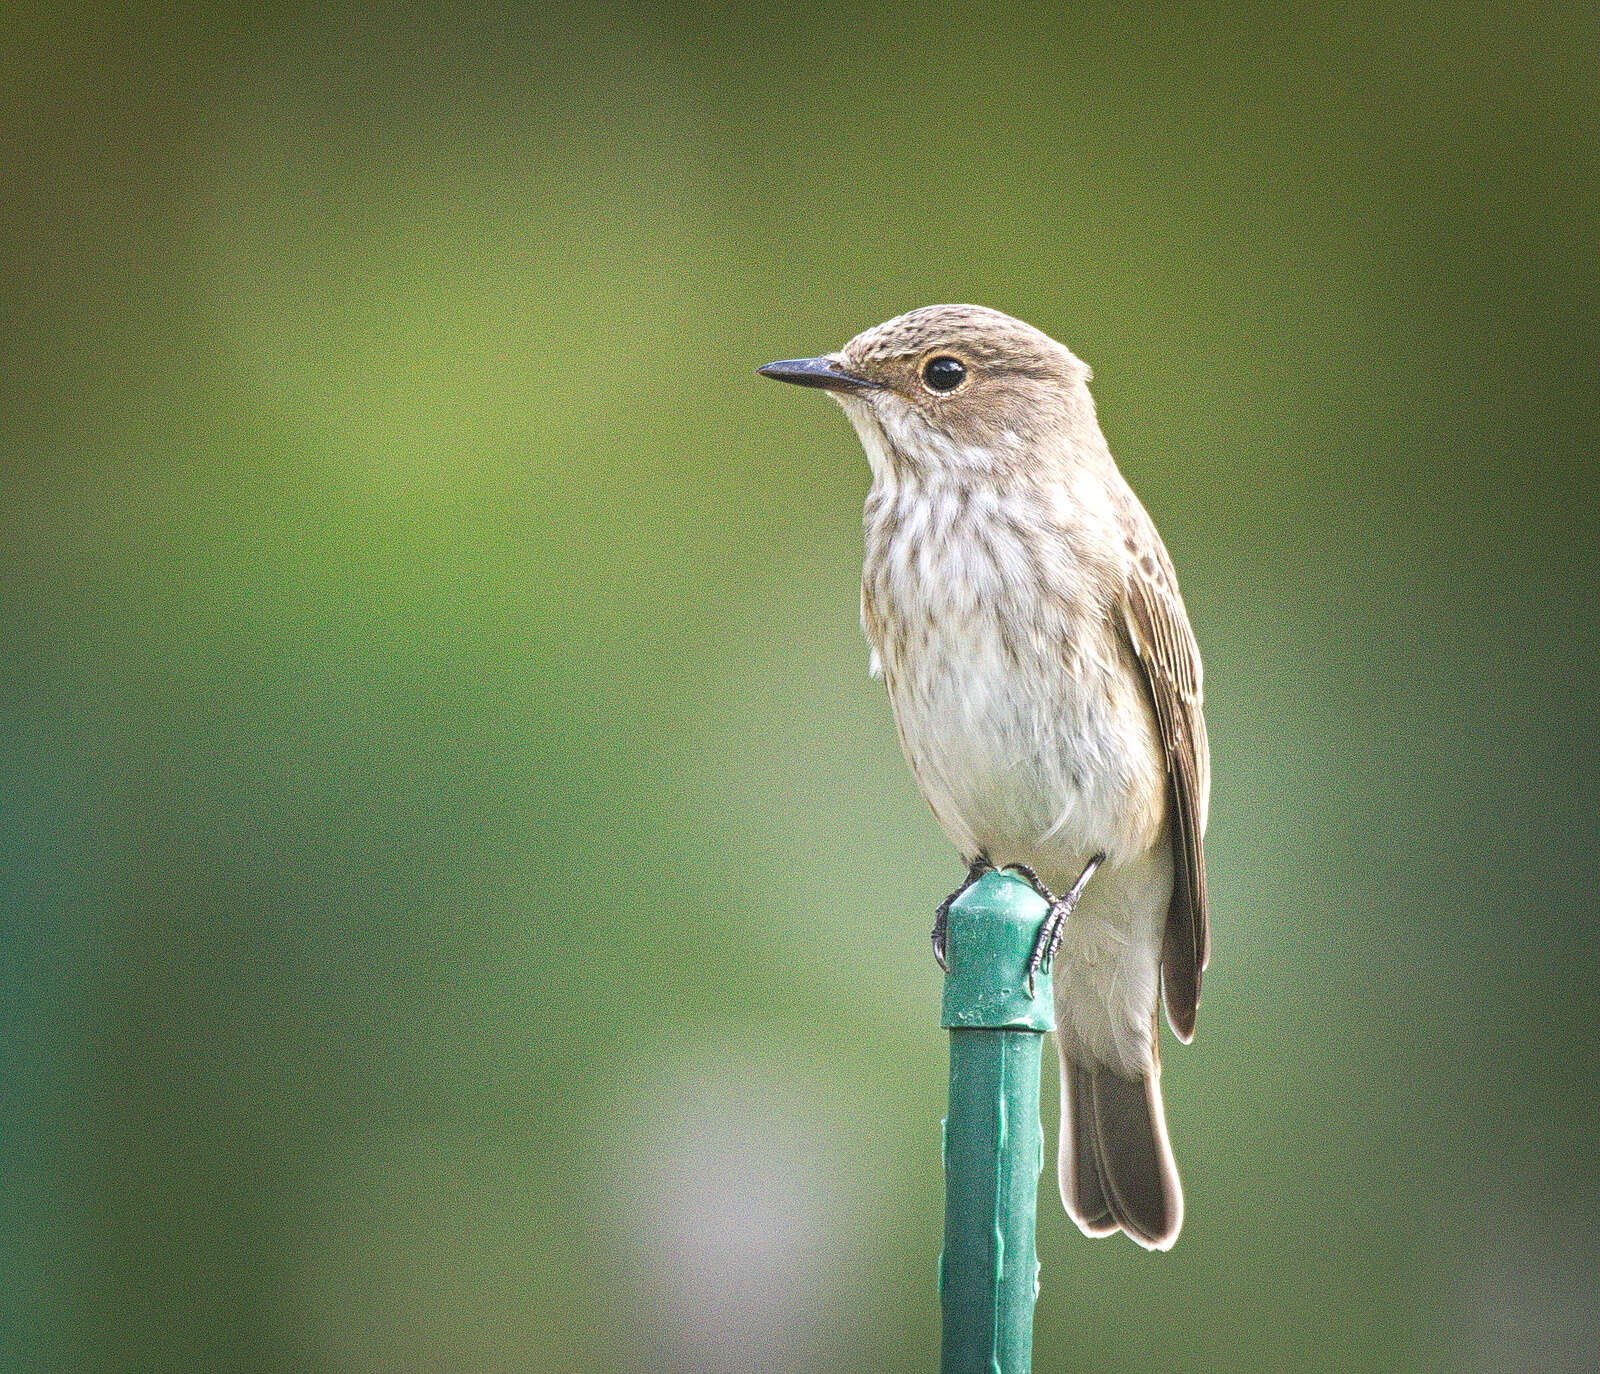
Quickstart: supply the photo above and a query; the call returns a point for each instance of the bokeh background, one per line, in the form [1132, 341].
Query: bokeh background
[463, 907]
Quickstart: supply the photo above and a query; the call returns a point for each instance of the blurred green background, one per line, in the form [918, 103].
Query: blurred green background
[463, 906]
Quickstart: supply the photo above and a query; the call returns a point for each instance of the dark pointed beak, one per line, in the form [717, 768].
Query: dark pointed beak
[824, 372]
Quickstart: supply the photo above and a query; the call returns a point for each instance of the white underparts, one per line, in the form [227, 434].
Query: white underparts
[1024, 721]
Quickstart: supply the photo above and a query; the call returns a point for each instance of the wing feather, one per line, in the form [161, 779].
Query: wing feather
[1158, 628]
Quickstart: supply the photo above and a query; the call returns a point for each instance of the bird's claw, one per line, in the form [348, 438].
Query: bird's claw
[1033, 880]
[1049, 940]
[1054, 927]
[941, 915]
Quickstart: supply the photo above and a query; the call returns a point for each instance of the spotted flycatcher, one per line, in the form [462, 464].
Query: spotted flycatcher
[1026, 620]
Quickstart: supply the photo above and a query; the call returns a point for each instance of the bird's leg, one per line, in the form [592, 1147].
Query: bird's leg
[1055, 924]
[941, 915]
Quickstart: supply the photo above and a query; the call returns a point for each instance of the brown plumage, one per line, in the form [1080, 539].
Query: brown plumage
[1047, 691]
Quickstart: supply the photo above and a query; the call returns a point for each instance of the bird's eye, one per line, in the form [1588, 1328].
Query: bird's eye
[943, 373]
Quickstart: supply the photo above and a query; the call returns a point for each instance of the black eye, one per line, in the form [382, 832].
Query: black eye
[943, 373]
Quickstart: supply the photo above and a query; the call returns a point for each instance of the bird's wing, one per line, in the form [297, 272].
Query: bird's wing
[1158, 628]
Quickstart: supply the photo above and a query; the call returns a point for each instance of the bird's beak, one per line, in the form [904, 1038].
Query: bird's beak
[824, 372]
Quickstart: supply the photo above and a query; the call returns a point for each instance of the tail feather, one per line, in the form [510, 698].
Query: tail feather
[1081, 1186]
[1115, 1163]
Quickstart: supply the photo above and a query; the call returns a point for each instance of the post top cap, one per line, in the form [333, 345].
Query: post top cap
[990, 934]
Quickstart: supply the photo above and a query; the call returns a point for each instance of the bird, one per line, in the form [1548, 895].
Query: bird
[1046, 686]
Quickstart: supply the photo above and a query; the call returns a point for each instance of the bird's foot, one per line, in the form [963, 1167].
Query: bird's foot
[1055, 923]
[941, 914]
[1033, 879]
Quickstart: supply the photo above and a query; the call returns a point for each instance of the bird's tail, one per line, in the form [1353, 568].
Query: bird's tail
[1115, 1163]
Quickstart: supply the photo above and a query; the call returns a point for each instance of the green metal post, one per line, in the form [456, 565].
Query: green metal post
[993, 1148]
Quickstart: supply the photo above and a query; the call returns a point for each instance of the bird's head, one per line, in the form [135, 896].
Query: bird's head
[954, 389]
